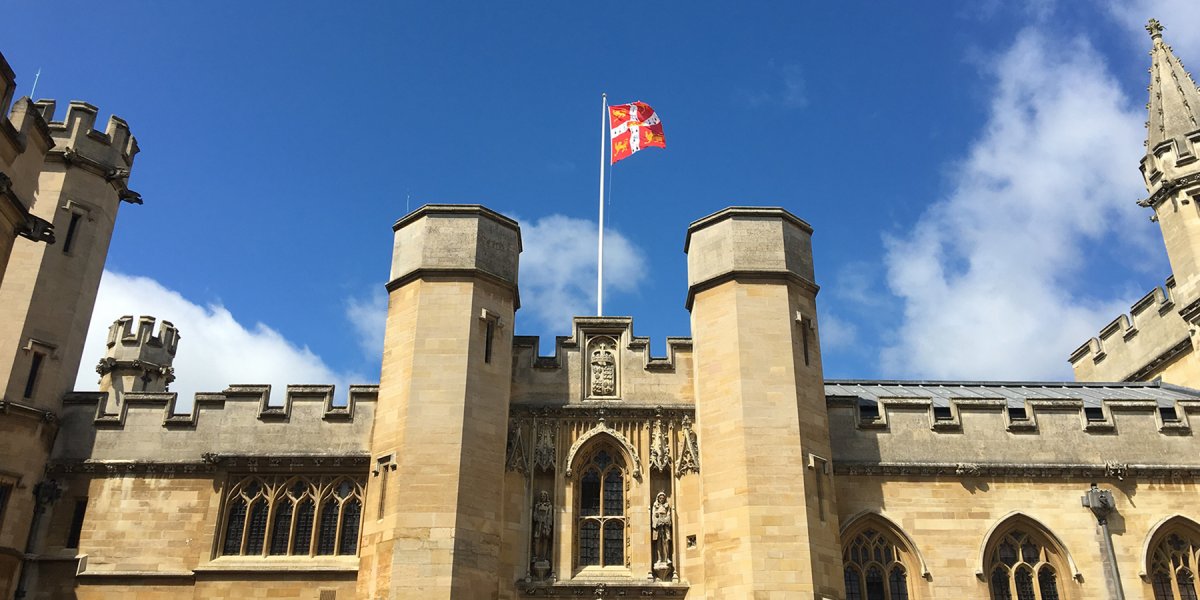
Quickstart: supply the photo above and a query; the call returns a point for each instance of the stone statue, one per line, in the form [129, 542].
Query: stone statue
[543, 526]
[660, 520]
[604, 369]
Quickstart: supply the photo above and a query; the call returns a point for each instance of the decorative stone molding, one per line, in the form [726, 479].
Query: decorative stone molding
[210, 462]
[1028, 471]
[660, 446]
[689, 454]
[544, 449]
[602, 428]
[604, 589]
[515, 459]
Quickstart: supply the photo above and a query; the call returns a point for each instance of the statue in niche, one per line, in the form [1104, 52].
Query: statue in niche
[543, 527]
[603, 368]
[660, 520]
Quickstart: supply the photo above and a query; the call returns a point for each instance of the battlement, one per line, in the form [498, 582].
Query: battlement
[998, 425]
[123, 341]
[1135, 345]
[110, 153]
[237, 421]
[638, 376]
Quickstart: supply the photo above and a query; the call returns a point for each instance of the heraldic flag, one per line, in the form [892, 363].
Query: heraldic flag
[634, 126]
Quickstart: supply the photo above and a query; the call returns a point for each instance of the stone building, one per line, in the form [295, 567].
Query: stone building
[477, 468]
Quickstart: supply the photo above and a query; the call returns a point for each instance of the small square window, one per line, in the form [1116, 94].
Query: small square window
[868, 413]
[1093, 414]
[1168, 414]
[942, 413]
[1018, 413]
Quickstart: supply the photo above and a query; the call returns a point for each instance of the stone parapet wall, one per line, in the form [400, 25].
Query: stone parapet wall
[1134, 345]
[641, 378]
[236, 422]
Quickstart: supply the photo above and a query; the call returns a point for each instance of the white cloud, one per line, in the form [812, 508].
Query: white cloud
[215, 350]
[1179, 17]
[558, 269]
[984, 273]
[836, 333]
[368, 316]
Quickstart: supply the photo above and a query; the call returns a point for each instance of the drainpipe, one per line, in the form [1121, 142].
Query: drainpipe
[1101, 504]
[44, 493]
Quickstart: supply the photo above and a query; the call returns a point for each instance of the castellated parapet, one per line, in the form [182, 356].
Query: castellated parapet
[136, 360]
[77, 142]
[233, 424]
[1136, 346]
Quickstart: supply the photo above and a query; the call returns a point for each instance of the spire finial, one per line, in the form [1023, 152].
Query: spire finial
[1155, 28]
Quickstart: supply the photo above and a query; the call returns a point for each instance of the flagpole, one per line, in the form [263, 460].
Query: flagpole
[600, 252]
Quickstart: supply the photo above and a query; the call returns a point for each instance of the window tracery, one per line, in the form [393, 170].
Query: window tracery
[873, 567]
[279, 516]
[1173, 566]
[1020, 568]
[600, 541]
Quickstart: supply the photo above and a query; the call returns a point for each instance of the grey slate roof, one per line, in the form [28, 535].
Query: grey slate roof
[1015, 393]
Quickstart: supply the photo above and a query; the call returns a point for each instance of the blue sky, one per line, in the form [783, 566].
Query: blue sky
[970, 172]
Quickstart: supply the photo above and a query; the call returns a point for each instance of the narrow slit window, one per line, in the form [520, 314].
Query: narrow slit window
[487, 343]
[804, 339]
[35, 366]
[72, 230]
[5, 492]
[77, 523]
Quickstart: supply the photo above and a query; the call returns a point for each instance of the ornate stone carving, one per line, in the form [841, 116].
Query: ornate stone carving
[689, 455]
[967, 470]
[515, 453]
[1118, 470]
[602, 428]
[543, 450]
[660, 446]
[602, 372]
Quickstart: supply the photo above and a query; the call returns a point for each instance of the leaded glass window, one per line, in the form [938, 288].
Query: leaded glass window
[1021, 569]
[1173, 566]
[279, 516]
[873, 568]
[601, 536]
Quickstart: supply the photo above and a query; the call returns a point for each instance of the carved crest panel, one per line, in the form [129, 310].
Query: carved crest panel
[603, 368]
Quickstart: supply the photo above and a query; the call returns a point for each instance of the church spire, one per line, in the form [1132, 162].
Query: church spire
[1174, 100]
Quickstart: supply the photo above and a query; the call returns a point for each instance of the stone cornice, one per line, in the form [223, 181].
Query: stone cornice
[1167, 188]
[1170, 354]
[415, 274]
[117, 176]
[603, 589]
[748, 275]
[1118, 471]
[9, 407]
[601, 409]
[211, 462]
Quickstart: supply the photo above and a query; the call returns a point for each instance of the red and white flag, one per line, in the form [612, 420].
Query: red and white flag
[634, 126]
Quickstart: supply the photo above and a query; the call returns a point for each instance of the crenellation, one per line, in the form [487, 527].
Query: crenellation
[642, 378]
[1150, 334]
[77, 141]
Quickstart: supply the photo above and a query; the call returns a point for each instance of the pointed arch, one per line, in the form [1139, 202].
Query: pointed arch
[1012, 521]
[1165, 526]
[866, 518]
[602, 429]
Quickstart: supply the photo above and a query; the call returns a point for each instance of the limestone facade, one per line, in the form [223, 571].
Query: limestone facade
[479, 468]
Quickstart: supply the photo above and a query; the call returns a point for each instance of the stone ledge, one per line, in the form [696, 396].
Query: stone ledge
[603, 589]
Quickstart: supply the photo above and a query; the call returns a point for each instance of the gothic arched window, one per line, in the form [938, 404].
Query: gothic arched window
[279, 516]
[1020, 567]
[600, 538]
[1173, 564]
[873, 567]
